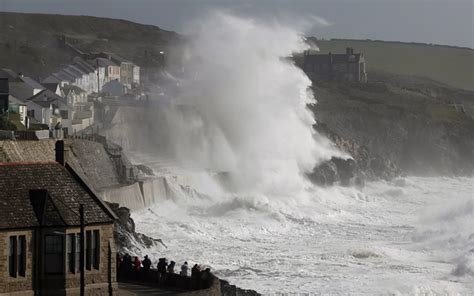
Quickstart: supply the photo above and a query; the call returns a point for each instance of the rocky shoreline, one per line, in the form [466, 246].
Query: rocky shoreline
[394, 126]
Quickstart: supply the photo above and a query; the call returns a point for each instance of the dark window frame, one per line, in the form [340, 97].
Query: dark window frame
[96, 249]
[71, 252]
[78, 252]
[21, 261]
[55, 253]
[13, 256]
[88, 250]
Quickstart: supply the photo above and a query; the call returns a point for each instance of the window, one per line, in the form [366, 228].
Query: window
[96, 249]
[64, 114]
[71, 252]
[12, 256]
[21, 255]
[88, 249]
[31, 113]
[78, 252]
[53, 254]
[17, 256]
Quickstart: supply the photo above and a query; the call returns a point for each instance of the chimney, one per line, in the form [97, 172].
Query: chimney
[61, 152]
[348, 50]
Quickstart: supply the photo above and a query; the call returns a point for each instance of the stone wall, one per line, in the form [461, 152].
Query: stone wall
[12, 151]
[128, 196]
[67, 283]
[10, 284]
[92, 161]
[96, 280]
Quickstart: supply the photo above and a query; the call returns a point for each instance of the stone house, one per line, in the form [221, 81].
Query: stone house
[341, 67]
[40, 241]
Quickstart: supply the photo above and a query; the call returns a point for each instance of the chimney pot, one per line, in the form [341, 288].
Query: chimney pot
[61, 152]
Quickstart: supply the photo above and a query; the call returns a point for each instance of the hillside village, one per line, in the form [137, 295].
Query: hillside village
[68, 101]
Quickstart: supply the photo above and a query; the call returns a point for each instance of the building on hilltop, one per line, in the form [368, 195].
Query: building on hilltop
[340, 67]
[40, 232]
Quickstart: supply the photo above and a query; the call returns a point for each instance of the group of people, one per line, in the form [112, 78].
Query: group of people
[128, 267]
[134, 268]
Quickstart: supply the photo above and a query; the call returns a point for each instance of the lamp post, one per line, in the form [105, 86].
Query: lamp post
[82, 244]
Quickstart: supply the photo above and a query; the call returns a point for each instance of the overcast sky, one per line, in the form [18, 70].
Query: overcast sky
[431, 21]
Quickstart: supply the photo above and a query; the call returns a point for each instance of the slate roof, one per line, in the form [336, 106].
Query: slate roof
[72, 72]
[31, 82]
[46, 97]
[8, 73]
[103, 62]
[83, 65]
[51, 79]
[21, 90]
[63, 76]
[118, 59]
[68, 88]
[52, 86]
[57, 193]
[14, 100]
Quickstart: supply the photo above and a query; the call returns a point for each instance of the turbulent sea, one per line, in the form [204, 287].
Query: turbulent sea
[409, 236]
[233, 139]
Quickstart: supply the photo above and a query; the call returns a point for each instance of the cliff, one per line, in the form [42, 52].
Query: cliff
[396, 125]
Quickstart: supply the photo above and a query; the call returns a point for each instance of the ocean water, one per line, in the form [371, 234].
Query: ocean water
[409, 236]
[233, 143]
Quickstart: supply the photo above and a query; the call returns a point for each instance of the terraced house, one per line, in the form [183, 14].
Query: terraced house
[41, 205]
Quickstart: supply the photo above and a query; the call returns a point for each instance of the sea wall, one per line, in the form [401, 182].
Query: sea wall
[129, 196]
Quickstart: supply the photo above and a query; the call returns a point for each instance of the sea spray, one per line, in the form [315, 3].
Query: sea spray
[240, 111]
[252, 120]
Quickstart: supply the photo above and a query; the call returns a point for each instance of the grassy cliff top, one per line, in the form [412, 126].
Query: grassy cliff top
[447, 64]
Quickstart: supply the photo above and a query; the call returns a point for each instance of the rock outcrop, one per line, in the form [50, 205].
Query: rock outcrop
[128, 240]
[231, 290]
[393, 127]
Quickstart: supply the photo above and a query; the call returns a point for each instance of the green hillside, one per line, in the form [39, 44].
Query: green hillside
[446, 64]
[29, 42]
